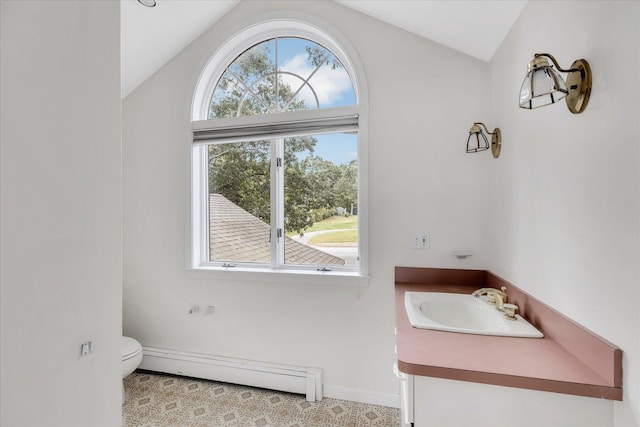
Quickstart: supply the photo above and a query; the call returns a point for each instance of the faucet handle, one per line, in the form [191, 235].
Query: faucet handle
[510, 311]
[505, 297]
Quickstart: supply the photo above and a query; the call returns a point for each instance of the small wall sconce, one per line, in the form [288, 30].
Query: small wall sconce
[543, 85]
[477, 140]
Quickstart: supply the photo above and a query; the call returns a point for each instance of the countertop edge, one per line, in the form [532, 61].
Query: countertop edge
[539, 384]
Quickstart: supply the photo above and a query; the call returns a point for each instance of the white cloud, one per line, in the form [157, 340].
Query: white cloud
[330, 85]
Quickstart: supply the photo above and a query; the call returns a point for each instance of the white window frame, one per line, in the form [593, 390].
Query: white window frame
[302, 27]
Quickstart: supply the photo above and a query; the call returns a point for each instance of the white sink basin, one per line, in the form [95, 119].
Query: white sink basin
[463, 313]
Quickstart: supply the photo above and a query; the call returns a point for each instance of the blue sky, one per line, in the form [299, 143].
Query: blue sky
[332, 85]
[333, 88]
[338, 148]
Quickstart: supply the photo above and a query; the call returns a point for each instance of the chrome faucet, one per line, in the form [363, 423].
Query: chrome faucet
[496, 297]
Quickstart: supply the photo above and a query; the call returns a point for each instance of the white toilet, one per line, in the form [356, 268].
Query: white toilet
[131, 355]
[131, 358]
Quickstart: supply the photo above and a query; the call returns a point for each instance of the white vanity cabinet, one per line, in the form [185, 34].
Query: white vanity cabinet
[436, 402]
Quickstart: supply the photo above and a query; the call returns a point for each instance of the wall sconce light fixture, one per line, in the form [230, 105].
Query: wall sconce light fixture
[543, 85]
[477, 140]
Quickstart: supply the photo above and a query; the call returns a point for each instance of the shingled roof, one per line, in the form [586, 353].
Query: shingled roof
[238, 236]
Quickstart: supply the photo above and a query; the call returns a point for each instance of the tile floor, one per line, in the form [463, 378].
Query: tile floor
[171, 401]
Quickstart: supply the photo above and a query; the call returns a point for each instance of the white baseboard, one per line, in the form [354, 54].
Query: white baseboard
[293, 379]
[363, 396]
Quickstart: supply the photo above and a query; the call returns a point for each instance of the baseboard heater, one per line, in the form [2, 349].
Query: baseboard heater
[293, 379]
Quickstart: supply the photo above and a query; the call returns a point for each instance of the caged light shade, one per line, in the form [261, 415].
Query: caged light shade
[477, 140]
[543, 85]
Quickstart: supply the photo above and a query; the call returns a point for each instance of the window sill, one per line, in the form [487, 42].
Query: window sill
[304, 277]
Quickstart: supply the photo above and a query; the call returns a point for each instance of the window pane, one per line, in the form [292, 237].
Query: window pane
[255, 62]
[253, 90]
[316, 78]
[226, 97]
[239, 202]
[295, 67]
[303, 75]
[333, 84]
[321, 200]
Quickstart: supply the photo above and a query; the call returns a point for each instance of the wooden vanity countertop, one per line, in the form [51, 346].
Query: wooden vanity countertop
[587, 365]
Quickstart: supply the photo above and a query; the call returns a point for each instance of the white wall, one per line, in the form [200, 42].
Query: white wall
[565, 193]
[423, 99]
[61, 213]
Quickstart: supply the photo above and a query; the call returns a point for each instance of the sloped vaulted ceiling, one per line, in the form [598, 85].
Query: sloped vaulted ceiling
[152, 36]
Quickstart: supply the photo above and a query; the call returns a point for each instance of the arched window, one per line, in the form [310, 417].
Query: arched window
[281, 74]
[278, 155]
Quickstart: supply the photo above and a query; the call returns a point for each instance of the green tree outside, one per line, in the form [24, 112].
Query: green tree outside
[314, 187]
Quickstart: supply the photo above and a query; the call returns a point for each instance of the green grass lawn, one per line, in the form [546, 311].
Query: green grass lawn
[343, 231]
[335, 223]
[336, 238]
[332, 223]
